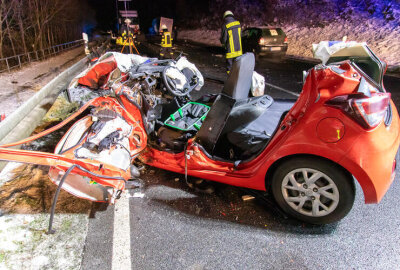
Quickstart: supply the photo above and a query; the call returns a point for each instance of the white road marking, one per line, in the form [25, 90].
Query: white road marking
[121, 258]
[282, 89]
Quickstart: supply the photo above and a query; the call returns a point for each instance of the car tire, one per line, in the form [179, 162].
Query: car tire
[313, 190]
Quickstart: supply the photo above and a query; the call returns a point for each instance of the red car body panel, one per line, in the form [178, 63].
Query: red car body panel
[104, 174]
[312, 127]
[366, 154]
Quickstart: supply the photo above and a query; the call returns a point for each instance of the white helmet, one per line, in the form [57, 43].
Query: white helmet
[228, 13]
[164, 27]
[127, 21]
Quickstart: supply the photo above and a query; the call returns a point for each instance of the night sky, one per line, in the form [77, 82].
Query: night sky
[188, 13]
[106, 14]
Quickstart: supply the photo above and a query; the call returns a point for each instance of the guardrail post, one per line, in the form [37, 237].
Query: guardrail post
[8, 66]
[29, 57]
[37, 57]
[19, 62]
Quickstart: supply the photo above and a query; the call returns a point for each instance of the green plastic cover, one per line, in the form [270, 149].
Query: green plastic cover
[190, 117]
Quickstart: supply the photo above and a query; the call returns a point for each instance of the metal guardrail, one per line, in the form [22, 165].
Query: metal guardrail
[17, 61]
[54, 87]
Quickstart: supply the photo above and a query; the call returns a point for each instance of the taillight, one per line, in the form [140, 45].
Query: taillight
[369, 112]
[261, 41]
[286, 40]
[394, 166]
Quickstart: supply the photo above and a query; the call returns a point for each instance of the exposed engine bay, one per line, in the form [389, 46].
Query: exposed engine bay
[159, 88]
[129, 102]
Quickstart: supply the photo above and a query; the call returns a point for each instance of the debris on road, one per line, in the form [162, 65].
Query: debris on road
[137, 195]
[247, 197]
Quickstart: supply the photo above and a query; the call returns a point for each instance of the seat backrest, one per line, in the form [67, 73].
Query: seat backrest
[239, 81]
[214, 123]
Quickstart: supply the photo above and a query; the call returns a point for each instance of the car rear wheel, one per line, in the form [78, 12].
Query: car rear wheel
[313, 190]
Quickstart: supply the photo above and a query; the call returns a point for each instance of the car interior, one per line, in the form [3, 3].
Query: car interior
[236, 127]
[251, 32]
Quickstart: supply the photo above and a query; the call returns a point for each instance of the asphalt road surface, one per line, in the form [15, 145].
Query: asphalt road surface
[173, 227]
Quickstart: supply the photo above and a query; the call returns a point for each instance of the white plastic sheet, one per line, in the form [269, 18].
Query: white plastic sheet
[125, 61]
[177, 76]
[325, 49]
[257, 84]
[184, 63]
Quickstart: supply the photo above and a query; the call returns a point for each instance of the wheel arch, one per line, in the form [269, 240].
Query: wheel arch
[280, 161]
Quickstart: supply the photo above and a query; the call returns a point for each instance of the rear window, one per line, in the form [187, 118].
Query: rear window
[250, 32]
[272, 32]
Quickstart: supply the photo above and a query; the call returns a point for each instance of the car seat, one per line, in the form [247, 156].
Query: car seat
[237, 126]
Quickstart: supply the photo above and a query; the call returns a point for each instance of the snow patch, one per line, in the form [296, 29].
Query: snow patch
[25, 245]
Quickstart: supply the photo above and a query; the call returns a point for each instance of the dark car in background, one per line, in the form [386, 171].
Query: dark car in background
[265, 41]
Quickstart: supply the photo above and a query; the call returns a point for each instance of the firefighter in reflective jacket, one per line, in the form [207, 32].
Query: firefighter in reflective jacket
[126, 31]
[166, 43]
[231, 38]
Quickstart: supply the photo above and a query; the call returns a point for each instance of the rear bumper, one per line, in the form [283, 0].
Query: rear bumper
[273, 49]
[374, 166]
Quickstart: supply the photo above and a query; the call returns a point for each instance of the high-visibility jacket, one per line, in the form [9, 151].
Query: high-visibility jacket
[166, 40]
[231, 37]
[126, 32]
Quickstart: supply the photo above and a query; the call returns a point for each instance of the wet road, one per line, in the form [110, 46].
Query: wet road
[173, 227]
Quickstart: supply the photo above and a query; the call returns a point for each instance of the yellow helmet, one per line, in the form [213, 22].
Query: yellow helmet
[228, 13]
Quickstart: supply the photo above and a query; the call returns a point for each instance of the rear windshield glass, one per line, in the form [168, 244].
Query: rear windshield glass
[272, 32]
[250, 32]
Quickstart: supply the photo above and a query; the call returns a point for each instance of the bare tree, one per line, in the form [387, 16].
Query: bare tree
[40, 23]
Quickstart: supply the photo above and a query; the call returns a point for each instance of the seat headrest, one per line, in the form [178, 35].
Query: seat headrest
[239, 81]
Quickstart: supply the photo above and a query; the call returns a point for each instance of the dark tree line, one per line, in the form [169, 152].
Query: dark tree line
[29, 25]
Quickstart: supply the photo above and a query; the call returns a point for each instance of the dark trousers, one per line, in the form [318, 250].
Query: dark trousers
[229, 63]
[166, 52]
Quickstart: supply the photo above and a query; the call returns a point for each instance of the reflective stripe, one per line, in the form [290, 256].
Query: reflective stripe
[240, 38]
[235, 43]
[231, 45]
[229, 25]
[233, 54]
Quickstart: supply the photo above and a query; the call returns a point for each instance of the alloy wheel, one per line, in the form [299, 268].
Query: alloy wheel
[310, 192]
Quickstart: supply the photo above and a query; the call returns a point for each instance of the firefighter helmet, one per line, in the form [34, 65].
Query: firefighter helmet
[164, 27]
[228, 13]
[127, 21]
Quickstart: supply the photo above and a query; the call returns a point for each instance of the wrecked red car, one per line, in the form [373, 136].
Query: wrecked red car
[307, 152]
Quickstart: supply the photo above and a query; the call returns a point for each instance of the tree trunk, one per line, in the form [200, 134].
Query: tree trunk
[10, 36]
[2, 5]
[21, 27]
[48, 37]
